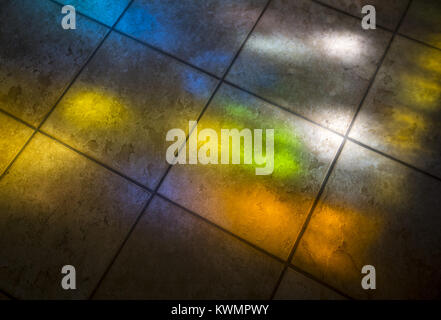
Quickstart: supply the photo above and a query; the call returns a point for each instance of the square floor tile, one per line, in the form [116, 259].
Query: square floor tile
[122, 105]
[207, 34]
[388, 12]
[13, 136]
[267, 210]
[402, 112]
[105, 11]
[175, 255]
[295, 286]
[58, 208]
[423, 22]
[310, 59]
[375, 211]
[38, 58]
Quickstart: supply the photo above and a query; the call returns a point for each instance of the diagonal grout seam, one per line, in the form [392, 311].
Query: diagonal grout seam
[9, 296]
[155, 191]
[334, 161]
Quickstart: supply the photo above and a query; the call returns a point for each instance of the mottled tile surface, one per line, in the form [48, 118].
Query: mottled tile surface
[105, 11]
[295, 286]
[401, 115]
[13, 136]
[204, 33]
[38, 58]
[376, 212]
[388, 12]
[423, 22]
[58, 209]
[267, 210]
[310, 59]
[175, 255]
[121, 107]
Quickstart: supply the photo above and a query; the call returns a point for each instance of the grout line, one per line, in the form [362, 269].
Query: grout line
[419, 41]
[312, 277]
[150, 46]
[6, 113]
[339, 151]
[308, 218]
[121, 246]
[222, 229]
[250, 244]
[408, 165]
[346, 13]
[98, 162]
[6, 294]
[2, 174]
[320, 3]
[378, 25]
[272, 103]
[168, 54]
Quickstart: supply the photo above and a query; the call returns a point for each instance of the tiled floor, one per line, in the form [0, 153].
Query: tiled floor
[357, 170]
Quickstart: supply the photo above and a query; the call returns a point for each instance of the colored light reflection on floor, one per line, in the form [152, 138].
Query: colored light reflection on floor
[266, 210]
[287, 146]
[338, 232]
[337, 45]
[423, 92]
[97, 109]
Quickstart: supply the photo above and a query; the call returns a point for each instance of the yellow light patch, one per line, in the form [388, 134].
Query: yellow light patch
[97, 109]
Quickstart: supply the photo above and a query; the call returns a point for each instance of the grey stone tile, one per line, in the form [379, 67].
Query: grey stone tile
[59, 208]
[388, 12]
[402, 111]
[175, 255]
[310, 59]
[423, 22]
[207, 34]
[122, 105]
[13, 136]
[105, 11]
[267, 210]
[295, 286]
[375, 211]
[38, 58]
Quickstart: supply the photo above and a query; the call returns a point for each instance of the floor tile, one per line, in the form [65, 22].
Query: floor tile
[121, 107]
[402, 111]
[310, 59]
[388, 12]
[39, 60]
[175, 255]
[13, 136]
[105, 11]
[295, 286]
[423, 22]
[206, 34]
[267, 210]
[58, 208]
[375, 211]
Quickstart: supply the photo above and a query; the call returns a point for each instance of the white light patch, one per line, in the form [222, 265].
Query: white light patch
[346, 47]
[278, 47]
